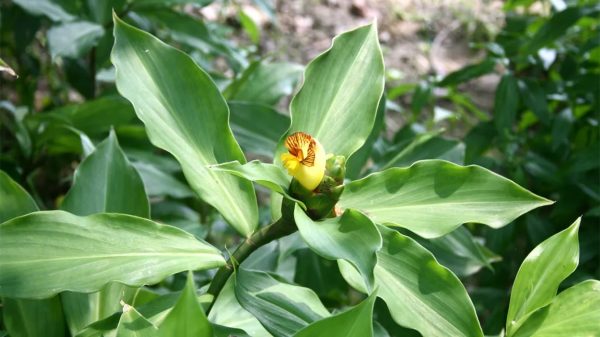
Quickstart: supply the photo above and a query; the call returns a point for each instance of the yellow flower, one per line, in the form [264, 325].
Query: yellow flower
[305, 159]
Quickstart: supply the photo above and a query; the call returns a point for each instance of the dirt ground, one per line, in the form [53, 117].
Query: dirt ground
[418, 37]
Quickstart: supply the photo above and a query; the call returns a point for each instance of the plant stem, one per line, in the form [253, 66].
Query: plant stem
[280, 228]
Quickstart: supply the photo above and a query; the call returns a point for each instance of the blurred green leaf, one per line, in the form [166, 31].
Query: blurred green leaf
[338, 101]
[468, 73]
[109, 247]
[283, 309]
[506, 103]
[351, 237]
[433, 197]
[191, 126]
[354, 322]
[249, 26]
[257, 127]
[434, 302]
[264, 82]
[540, 275]
[534, 97]
[421, 97]
[100, 11]
[73, 39]
[574, 312]
[5, 68]
[56, 10]
[423, 146]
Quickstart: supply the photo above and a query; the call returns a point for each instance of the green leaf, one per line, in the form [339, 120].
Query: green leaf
[33, 318]
[270, 176]
[227, 311]
[433, 197]
[73, 39]
[459, 251]
[534, 97]
[5, 68]
[420, 293]
[187, 318]
[265, 83]
[249, 26]
[281, 308]
[14, 199]
[540, 275]
[26, 318]
[342, 87]
[425, 146]
[107, 248]
[133, 324]
[100, 11]
[106, 182]
[468, 73]
[159, 183]
[351, 237]
[56, 10]
[257, 127]
[356, 163]
[355, 322]
[185, 114]
[574, 312]
[556, 26]
[506, 103]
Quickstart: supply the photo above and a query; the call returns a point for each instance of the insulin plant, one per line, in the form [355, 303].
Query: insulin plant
[92, 261]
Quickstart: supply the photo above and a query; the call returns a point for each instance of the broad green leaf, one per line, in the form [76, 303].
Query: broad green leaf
[185, 114]
[351, 237]
[355, 322]
[257, 127]
[5, 68]
[159, 183]
[14, 199]
[433, 197]
[469, 72]
[420, 293]
[187, 318]
[106, 182]
[265, 83]
[459, 251]
[227, 311]
[541, 273]
[26, 318]
[506, 103]
[270, 176]
[133, 324]
[342, 87]
[575, 312]
[282, 308]
[73, 39]
[56, 10]
[107, 248]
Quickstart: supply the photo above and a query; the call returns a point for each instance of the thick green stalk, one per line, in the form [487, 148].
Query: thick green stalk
[280, 228]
